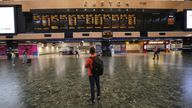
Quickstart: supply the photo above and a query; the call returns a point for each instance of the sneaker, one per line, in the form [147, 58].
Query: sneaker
[91, 102]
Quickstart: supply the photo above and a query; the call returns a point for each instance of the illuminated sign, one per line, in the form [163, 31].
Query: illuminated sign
[63, 22]
[90, 21]
[7, 20]
[115, 20]
[72, 21]
[98, 21]
[54, 22]
[123, 21]
[189, 19]
[81, 22]
[106, 21]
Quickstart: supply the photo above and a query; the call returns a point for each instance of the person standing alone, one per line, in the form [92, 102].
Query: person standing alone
[25, 56]
[13, 56]
[95, 69]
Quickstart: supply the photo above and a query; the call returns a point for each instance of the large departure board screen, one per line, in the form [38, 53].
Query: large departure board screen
[99, 20]
[7, 20]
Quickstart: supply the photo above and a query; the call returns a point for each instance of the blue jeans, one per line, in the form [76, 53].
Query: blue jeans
[94, 79]
[24, 59]
[13, 60]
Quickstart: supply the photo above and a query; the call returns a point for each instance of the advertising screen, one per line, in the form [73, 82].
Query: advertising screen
[7, 20]
[189, 19]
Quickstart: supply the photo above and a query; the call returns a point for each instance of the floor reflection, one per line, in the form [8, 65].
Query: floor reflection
[10, 89]
[132, 80]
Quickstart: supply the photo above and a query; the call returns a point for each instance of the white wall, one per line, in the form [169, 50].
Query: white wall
[47, 49]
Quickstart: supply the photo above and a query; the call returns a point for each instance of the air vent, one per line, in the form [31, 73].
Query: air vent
[128, 34]
[9, 36]
[47, 35]
[85, 34]
[161, 33]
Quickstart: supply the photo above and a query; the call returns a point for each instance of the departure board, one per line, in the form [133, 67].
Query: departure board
[98, 21]
[81, 21]
[106, 20]
[115, 20]
[46, 22]
[54, 22]
[37, 22]
[72, 21]
[90, 21]
[123, 21]
[63, 19]
[131, 21]
[102, 19]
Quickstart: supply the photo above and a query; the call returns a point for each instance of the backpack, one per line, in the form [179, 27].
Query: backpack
[97, 66]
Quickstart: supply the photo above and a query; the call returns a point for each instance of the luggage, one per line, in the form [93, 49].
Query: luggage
[28, 61]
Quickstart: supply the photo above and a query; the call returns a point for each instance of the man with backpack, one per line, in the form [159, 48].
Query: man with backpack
[95, 69]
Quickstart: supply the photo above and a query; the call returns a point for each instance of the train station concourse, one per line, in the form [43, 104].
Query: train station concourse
[96, 54]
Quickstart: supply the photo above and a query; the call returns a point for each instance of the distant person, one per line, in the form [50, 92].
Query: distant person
[95, 69]
[71, 51]
[156, 52]
[13, 56]
[9, 50]
[76, 53]
[25, 56]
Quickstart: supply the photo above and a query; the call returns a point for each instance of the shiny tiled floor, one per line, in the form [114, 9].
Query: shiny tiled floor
[129, 81]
